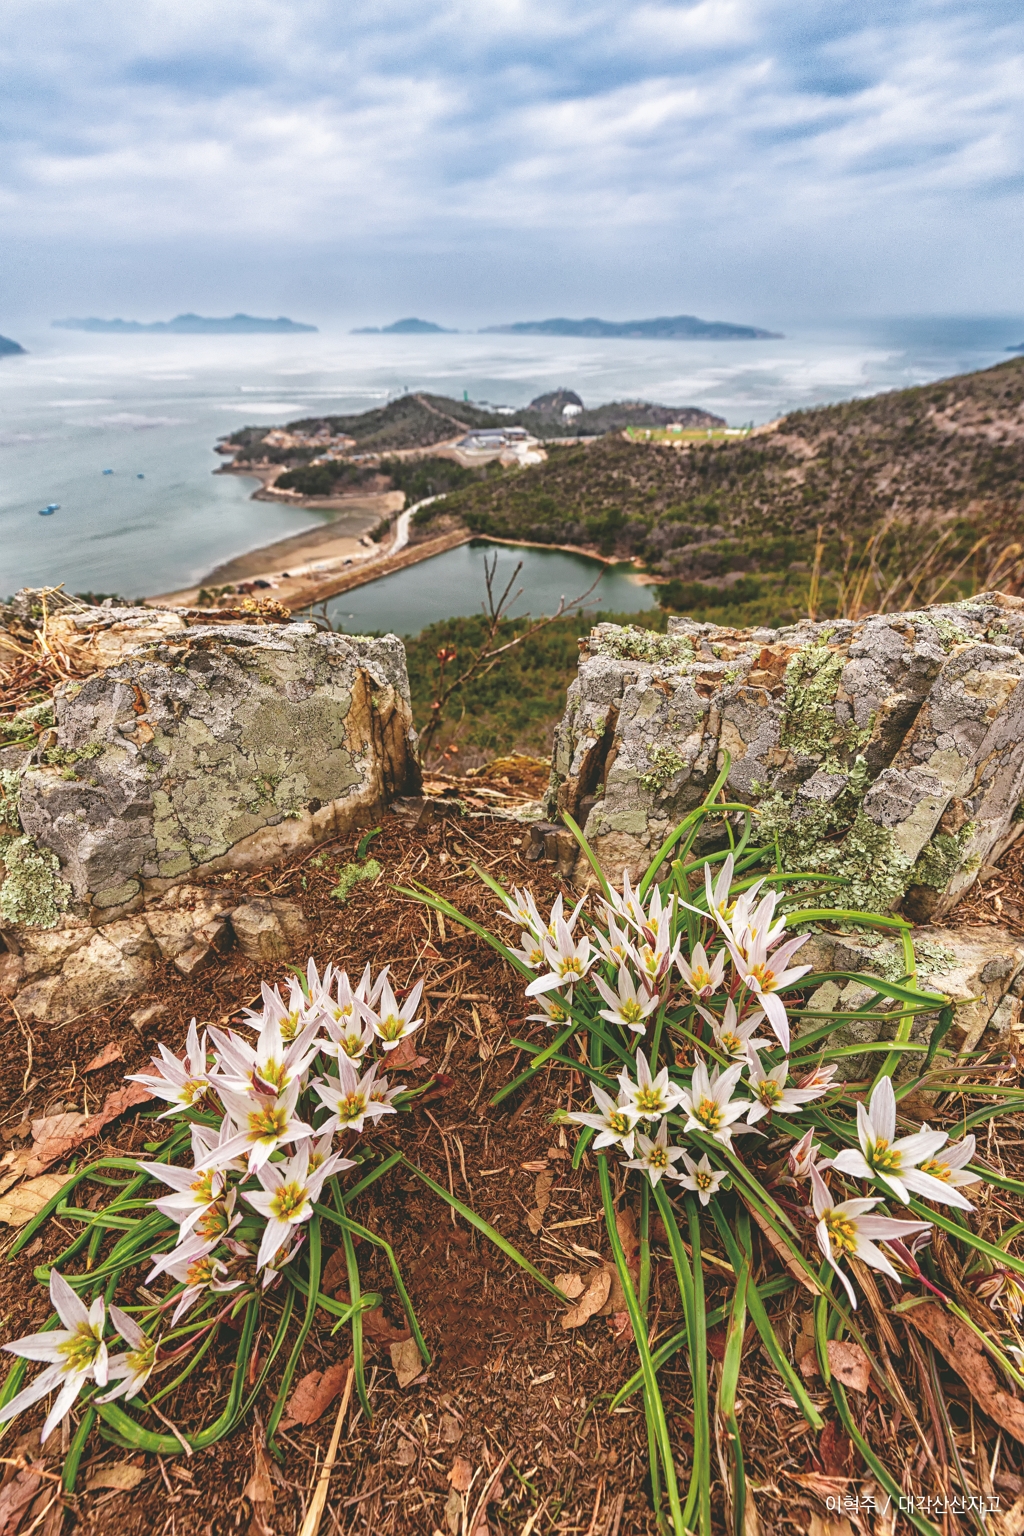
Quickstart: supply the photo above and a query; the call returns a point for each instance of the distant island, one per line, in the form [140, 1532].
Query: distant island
[410, 327]
[667, 328]
[1018, 348]
[9, 348]
[190, 325]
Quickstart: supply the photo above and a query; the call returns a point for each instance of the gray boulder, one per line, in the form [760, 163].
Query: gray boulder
[887, 750]
[198, 748]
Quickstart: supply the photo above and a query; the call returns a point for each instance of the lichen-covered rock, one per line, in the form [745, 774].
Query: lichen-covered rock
[887, 750]
[203, 748]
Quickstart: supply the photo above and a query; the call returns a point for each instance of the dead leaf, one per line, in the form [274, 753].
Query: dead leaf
[453, 1513]
[407, 1361]
[961, 1348]
[625, 1226]
[829, 1525]
[542, 1195]
[16, 1497]
[1011, 1521]
[570, 1285]
[315, 1393]
[53, 1127]
[406, 1453]
[805, 1347]
[377, 1328]
[116, 1474]
[110, 1052]
[405, 1055]
[836, 1450]
[335, 1273]
[260, 1488]
[49, 1147]
[592, 1300]
[539, 1165]
[451, 1429]
[21, 1204]
[621, 1327]
[849, 1362]
[461, 1475]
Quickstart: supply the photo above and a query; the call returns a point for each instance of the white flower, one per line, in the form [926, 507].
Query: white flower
[719, 894]
[624, 1006]
[702, 976]
[802, 1157]
[846, 1229]
[764, 974]
[192, 1262]
[287, 1198]
[709, 1104]
[531, 952]
[522, 909]
[615, 945]
[133, 1369]
[195, 1190]
[733, 1038]
[700, 1177]
[655, 1157]
[290, 1017]
[346, 1018]
[615, 1122]
[262, 1125]
[650, 1097]
[392, 1024]
[76, 1352]
[771, 1096]
[350, 1099]
[627, 906]
[949, 1164]
[555, 1014]
[182, 1082]
[267, 1068]
[894, 1163]
[568, 961]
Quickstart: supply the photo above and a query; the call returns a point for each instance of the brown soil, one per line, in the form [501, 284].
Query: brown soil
[507, 1381]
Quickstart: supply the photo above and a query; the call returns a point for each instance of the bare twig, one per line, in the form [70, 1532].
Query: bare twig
[489, 654]
[311, 1524]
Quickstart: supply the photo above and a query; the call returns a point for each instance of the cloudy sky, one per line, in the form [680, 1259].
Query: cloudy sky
[753, 160]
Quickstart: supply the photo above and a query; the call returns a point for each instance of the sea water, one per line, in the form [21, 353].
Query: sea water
[153, 406]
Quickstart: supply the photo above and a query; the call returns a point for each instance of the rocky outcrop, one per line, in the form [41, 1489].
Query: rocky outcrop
[888, 751]
[979, 968]
[55, 974]
[197, 748]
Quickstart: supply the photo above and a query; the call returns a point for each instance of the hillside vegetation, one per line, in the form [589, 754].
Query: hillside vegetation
[913, 492]
[423, 420]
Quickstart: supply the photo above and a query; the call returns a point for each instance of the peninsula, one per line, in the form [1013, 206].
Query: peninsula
[190, 325]
[665, 328]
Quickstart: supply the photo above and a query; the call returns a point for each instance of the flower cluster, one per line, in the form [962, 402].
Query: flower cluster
[718, 1003]
[269, 1117]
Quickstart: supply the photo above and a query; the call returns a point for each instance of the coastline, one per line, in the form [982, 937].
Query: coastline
[321, 564]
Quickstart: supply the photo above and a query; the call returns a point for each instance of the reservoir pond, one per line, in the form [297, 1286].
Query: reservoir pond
[453, 584]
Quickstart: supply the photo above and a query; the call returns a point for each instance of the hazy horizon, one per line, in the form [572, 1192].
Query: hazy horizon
[765, 162]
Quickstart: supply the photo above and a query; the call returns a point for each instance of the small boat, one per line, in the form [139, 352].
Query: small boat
[140, 477]
[49, 509]
[108, 471]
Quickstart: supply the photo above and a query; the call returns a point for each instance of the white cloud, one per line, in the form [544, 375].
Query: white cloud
[740, 125]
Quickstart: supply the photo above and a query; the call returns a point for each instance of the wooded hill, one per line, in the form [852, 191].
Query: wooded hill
[423, 420]
[914, 492]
